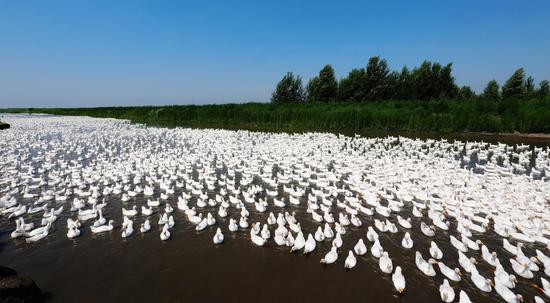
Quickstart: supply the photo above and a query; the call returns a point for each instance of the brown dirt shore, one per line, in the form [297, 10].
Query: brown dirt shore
[539, 136]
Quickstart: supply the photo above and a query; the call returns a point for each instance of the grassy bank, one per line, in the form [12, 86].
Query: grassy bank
[525, 116]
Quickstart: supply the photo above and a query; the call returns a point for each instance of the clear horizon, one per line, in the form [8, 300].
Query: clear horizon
[104, 53]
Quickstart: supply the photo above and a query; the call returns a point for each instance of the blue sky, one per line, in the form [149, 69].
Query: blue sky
[95, 53]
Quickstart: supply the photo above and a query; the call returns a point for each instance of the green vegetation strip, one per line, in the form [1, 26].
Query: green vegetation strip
[501, 116]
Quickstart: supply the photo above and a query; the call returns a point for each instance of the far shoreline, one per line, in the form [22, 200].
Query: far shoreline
[514, 137]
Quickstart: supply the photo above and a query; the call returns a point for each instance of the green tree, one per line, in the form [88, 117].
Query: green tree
[466, 93]
[529, 87]
[374, 84]
[432, 81]
[324, 87]
[515, 85]
[447, 87]
[544, 89]
[491, 91]
[289, 89]
[404, 85]
[350, 87]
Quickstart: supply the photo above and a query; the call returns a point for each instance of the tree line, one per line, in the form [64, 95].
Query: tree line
[429, 81]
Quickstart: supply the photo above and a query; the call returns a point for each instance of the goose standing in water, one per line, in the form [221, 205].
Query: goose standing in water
[446, 292]
[103, 228]
[521, 269]
[130, 212]
[331, 256]
[407, 242]
[165, 233]
[489, 257]
[233, 225]
[545, 287]
[427, 230]
[351, 261]
[337, 240]
[502, 277]
[463, 297]
[127, 228]
[480, 281]
[467, 264]
[145, 226]
[435, 251]
[372, 236]
[256, 239]
[299, 242]
[425, 267]
[385, 263]
[451, 274]
[310, 244]
[37, 237]
[458, 244]
[360, 248]
[398, 280]
[506, 294]
[376, 250]
[218, 237]
[73, 232]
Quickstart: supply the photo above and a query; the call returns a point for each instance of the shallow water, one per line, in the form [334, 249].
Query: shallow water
[190, 268]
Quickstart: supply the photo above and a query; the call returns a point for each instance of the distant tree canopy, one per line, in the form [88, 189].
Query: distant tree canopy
[491, 91]
[429, 81]
[466, 93]
[544, 89]
[514, 87]
[289, 89]
[323, 88]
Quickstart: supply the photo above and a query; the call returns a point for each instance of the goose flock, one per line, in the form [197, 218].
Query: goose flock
[307, 192]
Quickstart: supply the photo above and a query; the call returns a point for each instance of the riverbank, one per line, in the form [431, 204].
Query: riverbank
[525, 118]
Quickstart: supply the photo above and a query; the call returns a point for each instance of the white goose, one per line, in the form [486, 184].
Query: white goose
[331, 256]
[435, 251]
[129, 212]
[480, 281]
[37, 237]
[521, 269]
[73, 232]
[351, 261]
[463, 297]
[233, 225]
[256, 239]
[360, 248]
[466, 263]
[371, 234]
[319, 235]
[385, 264]
[310, 244]
[103, 228]
[127, 228]
[299, 242]
[506, 294]
[407, 242]
[165, 233]
[218, 237]
[376, 250]
[451, 274]
[425, 267]
[427, 230]
[458, 244]
[446, 292]
[489, 257]
[398, 280]
[145, 226]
